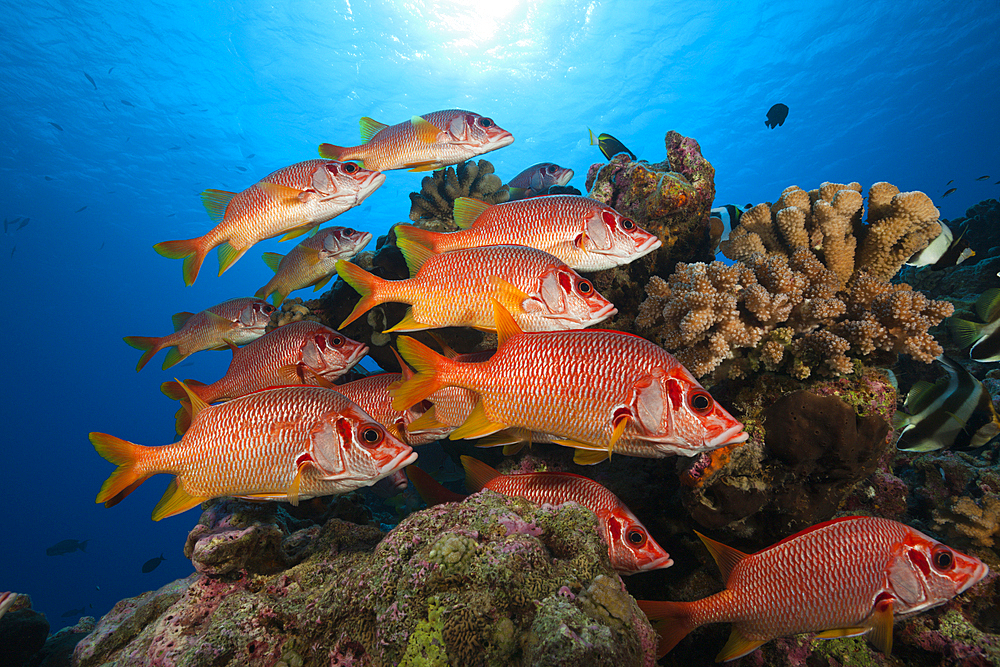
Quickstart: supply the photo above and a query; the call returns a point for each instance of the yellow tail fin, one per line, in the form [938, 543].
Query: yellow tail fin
[428, 378]
[190, 251]
[125, 455]
[149, 345]
[364, 284]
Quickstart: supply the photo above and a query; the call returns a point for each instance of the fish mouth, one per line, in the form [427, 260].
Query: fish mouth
[647, 246]
[501, 140]
[404, 458]
[603, 313]
[731, 436]
[370, 185]
[661, 562]
[982, 569]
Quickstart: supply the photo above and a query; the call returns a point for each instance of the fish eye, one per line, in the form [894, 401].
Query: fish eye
[552, 168]
[701, 402]
[942, 558]
[636, 537]
[349, 167]
[371, 436]
[627, 224]
[486, 122]
[336, 341]
[585, 287]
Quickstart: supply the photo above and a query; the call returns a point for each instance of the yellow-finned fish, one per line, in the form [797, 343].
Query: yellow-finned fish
[983, 337]
[423, 143]
[291, 201]
[455, 288]
[312, 262]
[284, 443]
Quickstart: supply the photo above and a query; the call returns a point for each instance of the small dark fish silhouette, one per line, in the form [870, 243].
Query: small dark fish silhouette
[242, 168]
[174, 148]
[251, 156]
[105, 105]
[102, 245]
[56, 125]
[92, 82]
[171, 215]
[110, 68]
[983, 178]
[776, 116]
[950, 182]
[948, 192]
[80, 209]
[49, 178]
[127, 103]
[74, 612]
[66, 547]
[24, 223]
[152, 564]
[12, 252]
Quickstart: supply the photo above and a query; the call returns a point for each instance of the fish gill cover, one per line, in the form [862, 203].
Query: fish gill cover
[118, 116]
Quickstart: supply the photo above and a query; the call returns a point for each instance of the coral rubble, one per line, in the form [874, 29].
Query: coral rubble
[433, 207]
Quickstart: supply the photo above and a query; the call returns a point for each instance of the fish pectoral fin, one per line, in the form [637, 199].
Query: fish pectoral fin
[174, 501]
[282, 194]
[508, 437]
[510, 450]
[586, 457]
[620, 425]
[510, 297]
[477, 425]
[838, 633]
[293, 489]
[427, 421]
[957, 418]
[408, 323]
[308, 228]
[880, 635]
[289, 374]
[424, 166]
[426, 131]
[737, 646]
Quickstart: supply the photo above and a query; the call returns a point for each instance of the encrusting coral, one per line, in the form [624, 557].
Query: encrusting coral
[805, 294]
[434, 205]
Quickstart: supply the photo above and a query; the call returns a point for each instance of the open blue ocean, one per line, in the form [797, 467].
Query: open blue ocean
[117, 115]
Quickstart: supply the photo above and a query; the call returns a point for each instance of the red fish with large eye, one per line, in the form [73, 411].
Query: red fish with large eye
[423, 143]
[236, 321]
[584, 233]
[843, 578]
[292, 354]
[630, 547]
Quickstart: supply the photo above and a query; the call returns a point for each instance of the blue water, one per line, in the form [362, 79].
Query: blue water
[214, 94]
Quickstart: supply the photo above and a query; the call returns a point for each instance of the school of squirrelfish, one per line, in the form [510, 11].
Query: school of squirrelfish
[276, 428]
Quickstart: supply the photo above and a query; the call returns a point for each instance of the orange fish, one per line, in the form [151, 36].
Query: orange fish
[597, 391]
[454, 289]
[423, 143]
[372, 394]
[586, 234]
[312, 262]
[295, 353]
[536, 179]
[237, 321]
[843, 578]
[285, 443]
[630, 546]
[290, 201]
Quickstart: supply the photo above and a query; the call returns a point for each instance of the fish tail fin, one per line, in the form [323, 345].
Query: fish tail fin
[82, 546]
[425, 237]
[671, 620]
[331, 152]
[477, 473]
[173, 389]
[432, 492]
[149, 345]
[430, 369]
[190, 250]
[125, 478]
[364, 284]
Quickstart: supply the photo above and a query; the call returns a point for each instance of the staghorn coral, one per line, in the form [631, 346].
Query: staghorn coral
[433, 206]
[978, 520]
[788, 313]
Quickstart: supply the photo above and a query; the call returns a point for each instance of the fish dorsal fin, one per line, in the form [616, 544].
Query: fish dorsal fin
[180, 319]
[273, 260]
[174, 501]
[725, 556]
[988, 305]
[586, 457]
[506, 326]
[369, 128]
[216, 202]
[468, 210]
[404, 368]
[426, 131]
[921, 395]
[737, 646]
[477, 474]
[197, 404]
[478, 424]
[414, 254]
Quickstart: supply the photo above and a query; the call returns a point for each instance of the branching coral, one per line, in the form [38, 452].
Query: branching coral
[976, 520]
[433, 206]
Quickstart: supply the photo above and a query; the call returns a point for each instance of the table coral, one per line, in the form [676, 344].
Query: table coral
[433, 207]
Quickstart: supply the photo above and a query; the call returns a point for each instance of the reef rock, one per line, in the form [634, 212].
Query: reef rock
[433, 207]
[22, 633]
[490, 581]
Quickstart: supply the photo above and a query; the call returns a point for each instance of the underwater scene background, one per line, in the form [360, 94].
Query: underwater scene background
[117, 116]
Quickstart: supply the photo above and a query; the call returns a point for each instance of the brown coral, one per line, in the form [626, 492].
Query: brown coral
[977, 520]
[434, 205]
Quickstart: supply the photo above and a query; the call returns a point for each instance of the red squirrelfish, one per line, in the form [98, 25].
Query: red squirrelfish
[630, 546]
[597, 391]
[536, 179]
[296, 353]
[842, 578]
[586, 234]
[454, 289]
[312, 262]
[423, 143]
[291, 201]
[237, 321]
[284, 443]
[372, 394]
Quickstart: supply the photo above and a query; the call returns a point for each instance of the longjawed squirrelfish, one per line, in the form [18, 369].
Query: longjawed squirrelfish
[454, 289]
[597, 391]
[630, 546]
[237, 321]
[372, 394]
[312, 262]
[291, 201]
[536, 179]
[296, 353]
[284, 443]
[423, 143]
[584, 233]
[843, 578]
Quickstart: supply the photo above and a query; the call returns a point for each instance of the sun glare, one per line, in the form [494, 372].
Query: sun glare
[466, 24]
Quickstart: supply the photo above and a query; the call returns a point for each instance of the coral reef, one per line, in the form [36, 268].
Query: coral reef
[490, 581]
[433, 207]
[978, 520]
